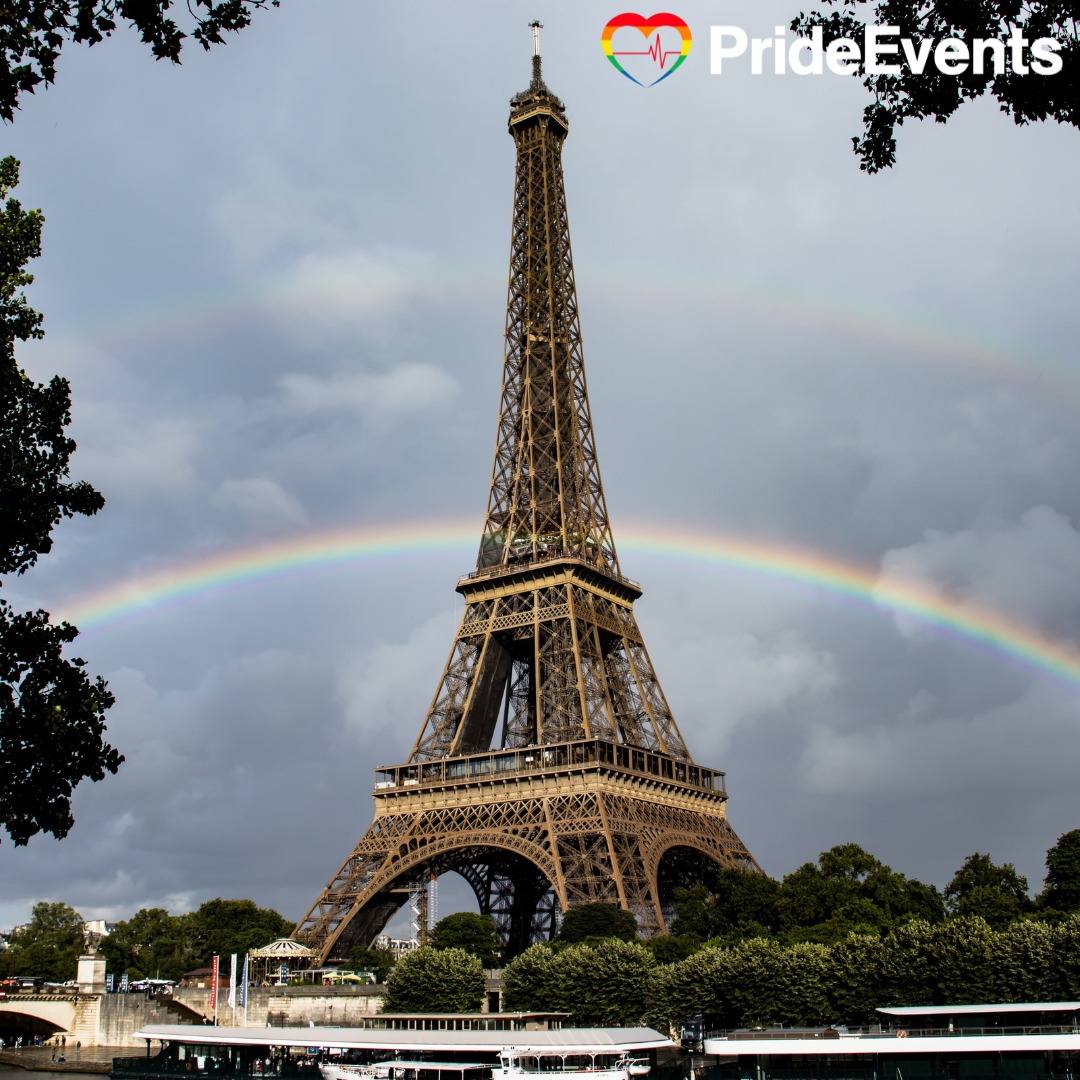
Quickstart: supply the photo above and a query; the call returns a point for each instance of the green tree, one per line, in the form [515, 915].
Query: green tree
[672, 948]
[1067, 958]
[980, 887]
[699, 986]
[531, 980]
[605, 983]
[850, 891]
[220, 927]
[597, 920]
[961, 953]
[380, 962]
[905, 95]
[151, 944]
[32, 33]
[1061, 887]
[49, 945]
[776, 984]
[744, 904]
[1025, 966]
[854, 978]
[52, 714]
[435, 980]
[467, 930]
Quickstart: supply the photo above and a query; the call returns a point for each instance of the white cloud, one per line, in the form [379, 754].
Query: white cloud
[330, 297]
[406, 390]
[749, 676]
[1028, 569]
[258, 503]
[125, 452]
[387, 689]
[925, 751]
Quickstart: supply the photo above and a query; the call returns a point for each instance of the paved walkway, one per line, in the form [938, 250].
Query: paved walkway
[91, 1059]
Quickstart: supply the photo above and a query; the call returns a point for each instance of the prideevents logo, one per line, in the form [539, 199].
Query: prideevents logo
[882, 51]
[666, 40]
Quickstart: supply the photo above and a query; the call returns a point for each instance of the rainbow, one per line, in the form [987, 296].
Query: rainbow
[158, 591]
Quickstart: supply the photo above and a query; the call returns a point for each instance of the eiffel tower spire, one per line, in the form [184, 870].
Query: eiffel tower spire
[549, 770]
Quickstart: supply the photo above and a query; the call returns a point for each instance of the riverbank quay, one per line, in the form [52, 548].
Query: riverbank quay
[96, 1059]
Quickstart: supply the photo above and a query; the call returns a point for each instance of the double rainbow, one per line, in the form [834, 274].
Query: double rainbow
[157, 592]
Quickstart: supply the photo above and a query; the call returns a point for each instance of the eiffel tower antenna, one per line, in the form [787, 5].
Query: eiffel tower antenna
[549, 771]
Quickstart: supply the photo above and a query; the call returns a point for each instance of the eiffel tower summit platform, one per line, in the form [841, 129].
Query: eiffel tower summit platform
[549, 771]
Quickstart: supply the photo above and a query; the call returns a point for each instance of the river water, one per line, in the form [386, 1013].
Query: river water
[10, 1072]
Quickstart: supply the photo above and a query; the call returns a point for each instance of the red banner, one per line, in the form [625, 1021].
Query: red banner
[214, 982]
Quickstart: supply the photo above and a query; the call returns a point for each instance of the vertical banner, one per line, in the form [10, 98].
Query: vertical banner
[214, 982]
[232, 983]
[244, 983]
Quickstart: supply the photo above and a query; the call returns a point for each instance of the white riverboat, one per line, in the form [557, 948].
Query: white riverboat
[1016, 1041]
[558, 1063]
[430, 1047]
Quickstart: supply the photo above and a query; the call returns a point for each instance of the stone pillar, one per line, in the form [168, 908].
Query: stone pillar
[91, 975]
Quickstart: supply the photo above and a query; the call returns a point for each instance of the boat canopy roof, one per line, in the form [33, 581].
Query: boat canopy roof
[564, 1040]
[981, 1010]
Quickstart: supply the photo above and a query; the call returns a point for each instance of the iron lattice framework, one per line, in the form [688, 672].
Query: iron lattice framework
[549, 771]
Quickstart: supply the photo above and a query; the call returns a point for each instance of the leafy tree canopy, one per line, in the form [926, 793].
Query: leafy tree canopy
[467, 930]
[151, 944]
[849, 890]
[51, 712]
[49, 946]
[995, 893]
[435, 980]
[220, 927]
[1062, 883]
[32, 33]
[1026, 95]
[597, 920]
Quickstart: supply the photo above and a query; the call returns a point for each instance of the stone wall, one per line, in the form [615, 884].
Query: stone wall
[287, 1006]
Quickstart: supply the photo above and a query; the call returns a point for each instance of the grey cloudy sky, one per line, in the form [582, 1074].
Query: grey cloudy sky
[276, 279]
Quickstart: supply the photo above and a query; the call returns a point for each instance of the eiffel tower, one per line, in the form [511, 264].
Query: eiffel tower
[549, 771]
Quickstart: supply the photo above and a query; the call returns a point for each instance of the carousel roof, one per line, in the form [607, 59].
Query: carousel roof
[284, 949]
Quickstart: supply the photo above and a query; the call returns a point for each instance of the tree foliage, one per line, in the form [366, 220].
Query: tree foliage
[220, 927]
[980, 887]
[435, 980]
[467, 930]
[151, 944]
[32, 33]
[1061, 889]
[51, 711]
[598, 920]
[604, 982]
[49, 946]
[1026, 96]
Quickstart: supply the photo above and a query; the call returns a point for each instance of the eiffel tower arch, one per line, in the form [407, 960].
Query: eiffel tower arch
[549, 771]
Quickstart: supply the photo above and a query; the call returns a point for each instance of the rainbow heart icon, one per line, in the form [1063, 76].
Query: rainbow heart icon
[660, 53]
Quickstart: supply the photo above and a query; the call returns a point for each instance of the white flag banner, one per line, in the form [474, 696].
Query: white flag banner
[232, 983]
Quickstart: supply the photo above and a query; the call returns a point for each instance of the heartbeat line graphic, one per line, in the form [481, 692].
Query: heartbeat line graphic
[655, 52]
